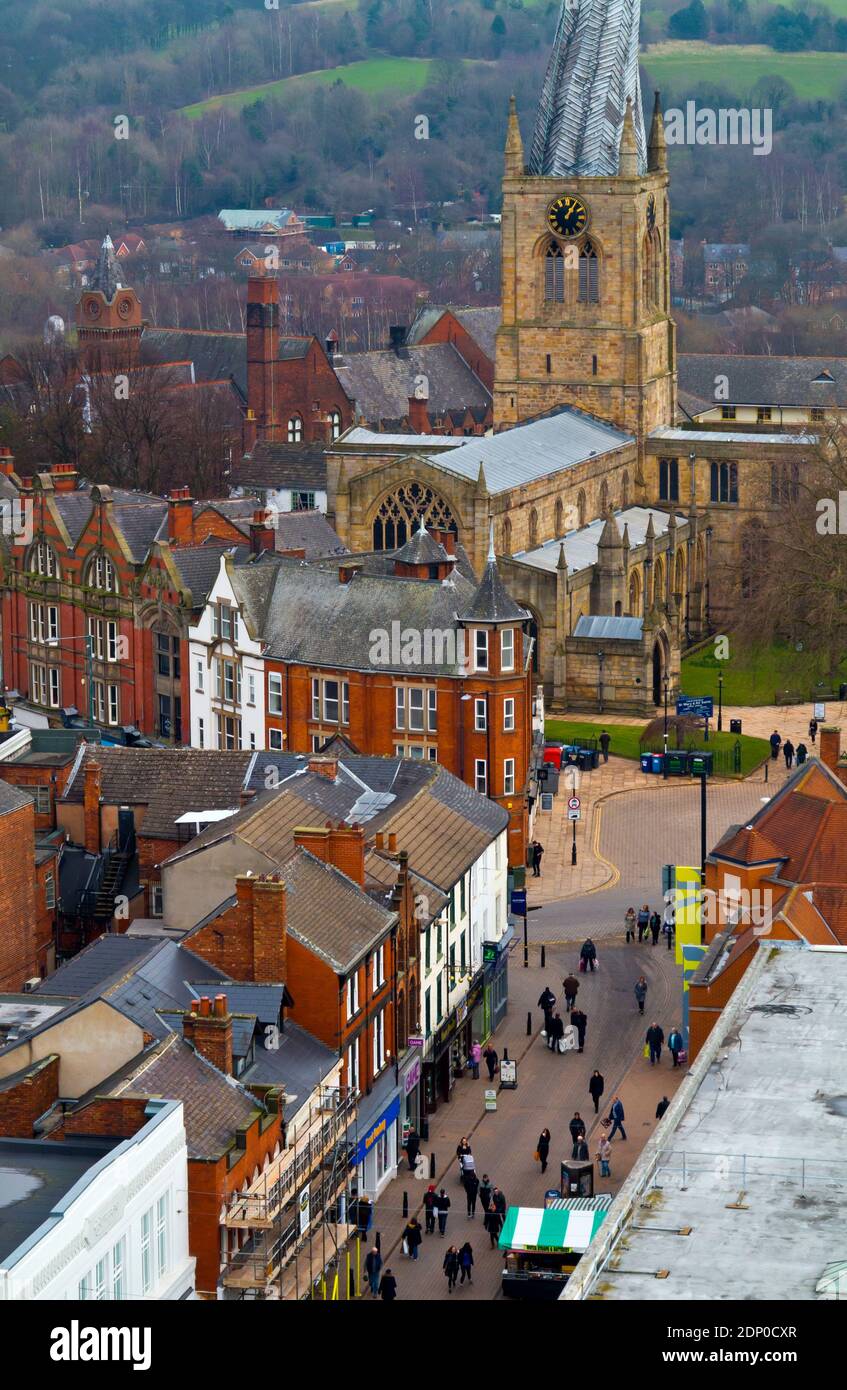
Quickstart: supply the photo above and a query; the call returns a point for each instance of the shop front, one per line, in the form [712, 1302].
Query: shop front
[446, 1053]
[491, 1010]
[411, 1072]
[376, 1153]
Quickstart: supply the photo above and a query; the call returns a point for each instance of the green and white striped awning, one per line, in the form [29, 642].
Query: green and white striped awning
[561, 1228]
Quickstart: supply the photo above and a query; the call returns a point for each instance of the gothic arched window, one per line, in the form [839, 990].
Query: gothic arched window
[507, 537]
[580, 507]
[533, 529]
[589, 275]
[399, 515]
[560, 516]
[604, 497]
[625, 489]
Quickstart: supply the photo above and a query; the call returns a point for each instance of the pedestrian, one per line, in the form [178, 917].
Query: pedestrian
[604, 1154]
[579, 1019]
[655, 927]
[498, 1202]
[570, 985]
[412, 1237]
[475, 1059]
[493, 1223]
[577, 1129]
[813, 729]
[466, 1262]
[429, 1201]
[605, 740]
[546, 1000]
[555, 1031]
[413, 1145]
[588, 953]
[462, 1148]
[662, 1107]
[388, 1287]
[617, 1116]
[654, 1039]
[468, 1164]
[775, 743]
[676, 1043]
[542, 1148]
[640, 992]
[373, 1269]
[668, 926]
[596, 1087]
[537, 853]
[451, 1267]
[788, 753]
[364, 1215]
[802, 754]
[471, 1191]
[629, 924]
[643, 920]
[442, 1206]
[580, 1152]
[492, 1061]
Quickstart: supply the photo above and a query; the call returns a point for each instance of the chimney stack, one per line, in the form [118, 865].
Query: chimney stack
[257, 950]
[419, 414]
[180, 516]
[209, 1028]
[324, 765]
[91, 792]
[64, 477]
[262, 532]
[343, 846]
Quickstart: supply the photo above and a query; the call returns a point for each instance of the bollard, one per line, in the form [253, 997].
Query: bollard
[543, 957]
[378, 1241]
[505, 1054]
[405, 1205]
[432, 1165]
[529, 1025]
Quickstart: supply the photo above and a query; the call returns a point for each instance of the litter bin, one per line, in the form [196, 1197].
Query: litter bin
[700, 763]
[519, 876]
[656, 762]
[646, 762]
[735, 726]
[588, 758]
[677, 764]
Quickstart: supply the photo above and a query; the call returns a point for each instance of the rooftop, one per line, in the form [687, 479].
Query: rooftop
[768, 380]
[36, 1176]
[581, 546]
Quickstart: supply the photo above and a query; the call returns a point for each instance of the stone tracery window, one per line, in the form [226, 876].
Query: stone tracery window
[399, 515]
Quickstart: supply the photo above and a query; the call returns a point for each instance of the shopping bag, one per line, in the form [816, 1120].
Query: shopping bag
[537, 1156]
[562, 1045]
[544, 1032]
[647, 1051]
[596, 962]
[582, 965]
[682, 1057]
[405, 1246]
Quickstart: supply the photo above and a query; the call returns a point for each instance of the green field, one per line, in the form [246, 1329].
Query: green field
[754, 678]
[372, 75]
[686, 65]
[626, 740]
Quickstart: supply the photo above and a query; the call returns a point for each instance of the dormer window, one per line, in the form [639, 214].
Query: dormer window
[507, 649]
[42, 559]
[102, 575]
[225, 622]
[481, 649]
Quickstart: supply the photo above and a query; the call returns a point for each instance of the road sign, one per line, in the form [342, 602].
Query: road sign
[699, 706]
[573, 803]
[574, 813]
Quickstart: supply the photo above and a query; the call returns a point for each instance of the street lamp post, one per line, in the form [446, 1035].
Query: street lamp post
[601, 657]
[720, 701]
[666, 682]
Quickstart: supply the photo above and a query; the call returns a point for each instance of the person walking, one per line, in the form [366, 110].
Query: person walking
[498, 1202]
[570, 985]
[676, 1043]
[775, 743]
[542, 1148]
[662, 1107]
[577, 1129]
[629, 924]
[475, 1059]
[555, 1031]
[485, 1191]
[668, 927]
[579, 1019]
[429, 1202]
[413, 1146]
[537, 855]
[468, 1165]
[654, 1039]
[640, 992]
[588, 954]
[412, 1237]
[605, 740]
[466, 1262]
[813, 730]
[451, 1267]
[617, 1116]
[643, 920]
[373, 1269]
[442, 1207]
[788, 753]
[388, 1287]
[655, 927]
[802, 754]
[604, 1155]
[493, 1224]
[546, 1000]
[492, 1061]
[462, 1148]
[596, 1086]
[471, 1191]
[580, 1152]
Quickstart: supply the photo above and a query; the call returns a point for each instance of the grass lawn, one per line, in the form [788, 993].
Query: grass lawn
[754, 678]
[739, 67]
[626, 740]
[371, 75]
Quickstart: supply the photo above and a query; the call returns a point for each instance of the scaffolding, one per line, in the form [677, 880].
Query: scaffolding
[296, 1213]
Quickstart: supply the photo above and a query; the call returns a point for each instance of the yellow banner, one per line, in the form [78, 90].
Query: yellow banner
[687, 911]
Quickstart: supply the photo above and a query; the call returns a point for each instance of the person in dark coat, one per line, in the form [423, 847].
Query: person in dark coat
[555, 1031]
[580, 1151]
[451, 1267]
[388, 1287]
[466, 1262]
[543, 1148]
[577, 1129]
[775, 743]
[596, 1086]
[640, 992]
[802, 754]
[643, 920]
[813, 729]
[413, 1236]
[537, 853]
[570, 985]
[676, 1043]
[546, 1000]
[788, 753]
[373, 1269]
[498, 1201]
[655, 927]
[605, 740]
[588, 953]
[493, 1224]
[442, 1206]
[413, 1145]
[662, 1107]
[580, 1023]
[654, 1039]
[462, 1148]
[485, 1191]
[471, 1182]
[491, 1061]
[429, 1202]
[617, 1116]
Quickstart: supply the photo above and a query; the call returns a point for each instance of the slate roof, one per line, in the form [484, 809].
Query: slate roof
[298, 466]
[216, 356]
[107, 275]
[299, 1063]
[309, 531]
[421, 549]
[767, 380]
[96, 964]
[381, 382]
[168, 781]
[141, 524]
[492, 603]
[12, 799]
[198, 566]
[480, 323]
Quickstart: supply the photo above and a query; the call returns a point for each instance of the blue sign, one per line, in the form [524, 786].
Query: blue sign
[700, 706]
[376, 1130]
[519, 902]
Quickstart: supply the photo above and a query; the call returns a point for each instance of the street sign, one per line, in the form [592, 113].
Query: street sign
[699, 706]
[546, 801]
[519, 902]
[491, 1100]
[574, 813]
[573, 803]
[820, 711]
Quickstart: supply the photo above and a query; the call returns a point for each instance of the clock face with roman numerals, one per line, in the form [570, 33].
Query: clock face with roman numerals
[567, 216]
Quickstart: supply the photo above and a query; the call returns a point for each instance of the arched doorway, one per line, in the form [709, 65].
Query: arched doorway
[660, 663]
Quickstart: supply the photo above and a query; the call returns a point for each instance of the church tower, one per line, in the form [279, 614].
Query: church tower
[585, 257]
[108, 316]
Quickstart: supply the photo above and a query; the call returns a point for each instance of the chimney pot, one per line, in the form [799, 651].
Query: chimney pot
[220, 1006]
[205, 1006]
[392, 842]
[380, 839]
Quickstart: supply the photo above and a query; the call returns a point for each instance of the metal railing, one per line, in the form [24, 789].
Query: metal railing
[737, 1170]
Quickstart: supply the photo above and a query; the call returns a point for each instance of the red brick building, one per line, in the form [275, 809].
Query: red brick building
[28, 887]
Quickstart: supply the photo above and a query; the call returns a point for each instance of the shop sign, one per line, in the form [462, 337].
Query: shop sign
[412, 1077]
[376, 1131]
[303, 1208]
[491, 1103]
[415, 1042]
[509, 1074]
[489, 952]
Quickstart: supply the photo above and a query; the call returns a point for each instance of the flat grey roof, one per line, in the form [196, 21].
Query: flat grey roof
[622, 629]
[756, 1165]
[737, 437]
[35, 1174]
[581, 546]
